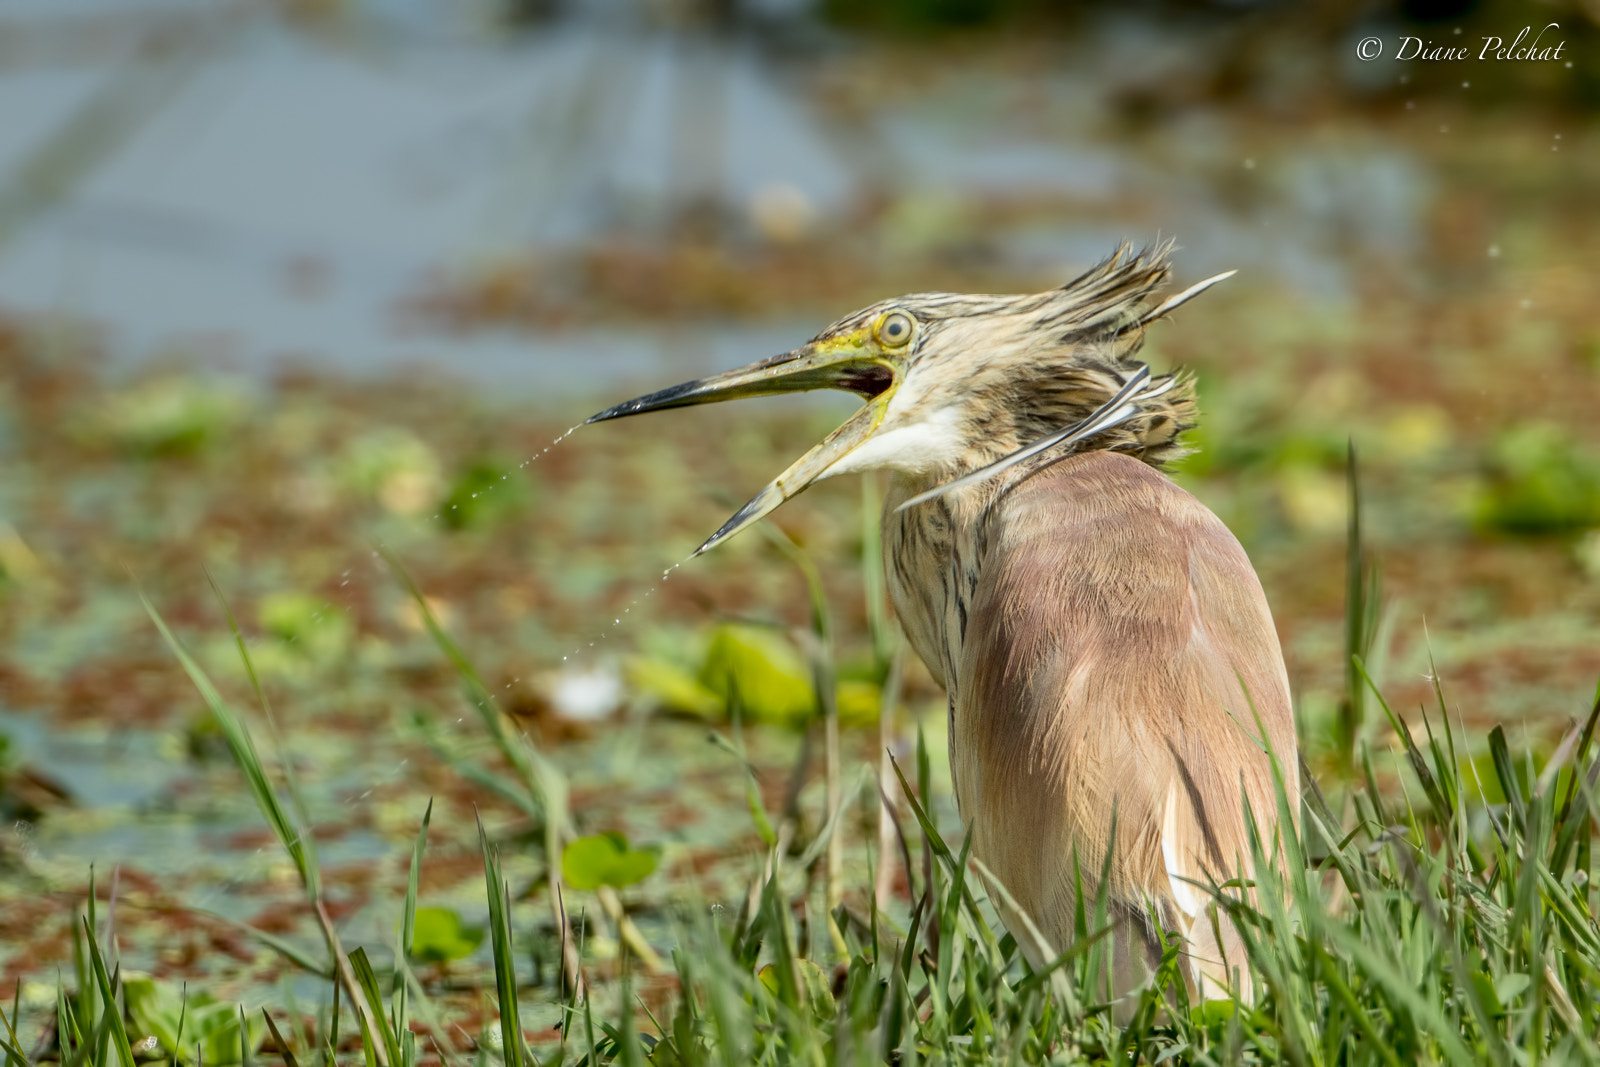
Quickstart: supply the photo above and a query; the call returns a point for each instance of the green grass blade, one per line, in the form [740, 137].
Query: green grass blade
[1351, 710]
[408, 922]
[116, 1031]
[244, 752]
[505, 976]
[284, 1051]
[312, 872]
[368, 981]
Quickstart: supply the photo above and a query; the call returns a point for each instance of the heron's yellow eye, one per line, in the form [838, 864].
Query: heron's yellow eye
[894, 329]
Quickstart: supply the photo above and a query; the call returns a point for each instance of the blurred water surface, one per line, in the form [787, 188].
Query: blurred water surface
[249, 189]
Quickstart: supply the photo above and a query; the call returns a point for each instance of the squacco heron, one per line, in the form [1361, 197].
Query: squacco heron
[1105, 644]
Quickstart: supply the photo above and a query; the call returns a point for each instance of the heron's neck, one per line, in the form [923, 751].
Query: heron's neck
[932, 555]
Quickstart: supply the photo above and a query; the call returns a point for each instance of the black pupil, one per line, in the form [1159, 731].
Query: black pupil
[896, 328]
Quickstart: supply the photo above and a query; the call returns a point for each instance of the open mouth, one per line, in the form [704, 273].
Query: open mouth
[870, 381]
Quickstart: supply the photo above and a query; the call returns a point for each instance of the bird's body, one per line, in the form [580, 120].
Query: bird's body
[1107, 650]
[1097, 633]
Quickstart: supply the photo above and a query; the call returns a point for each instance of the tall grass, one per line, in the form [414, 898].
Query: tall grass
[1419, 925]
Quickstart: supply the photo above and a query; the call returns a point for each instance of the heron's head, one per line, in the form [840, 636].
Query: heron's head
[953, 382]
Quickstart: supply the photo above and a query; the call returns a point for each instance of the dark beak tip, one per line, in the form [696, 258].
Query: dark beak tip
[616, 411]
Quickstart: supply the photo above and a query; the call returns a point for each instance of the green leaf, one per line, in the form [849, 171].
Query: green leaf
[673, 688]
[860, 703]
[605, 859]
[439, 936]
[1212, 1013]
[772, 681]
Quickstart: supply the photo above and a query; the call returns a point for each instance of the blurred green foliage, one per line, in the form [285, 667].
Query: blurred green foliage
[673, 687]
[194, 1026]
[168, 416]
[395, 467]
[1539, 483]
[760, 670]
[309, 625]
[203, 740]
[606, 859]
[439, 936]
[924, 15]
[756, 669]
[1482, 782]
[485, 493]
[815, 988]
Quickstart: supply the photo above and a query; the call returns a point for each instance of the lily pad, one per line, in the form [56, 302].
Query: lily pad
[605, 859]
[440, 936]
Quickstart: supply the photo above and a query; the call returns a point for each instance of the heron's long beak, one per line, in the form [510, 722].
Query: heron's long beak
[833, 364]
